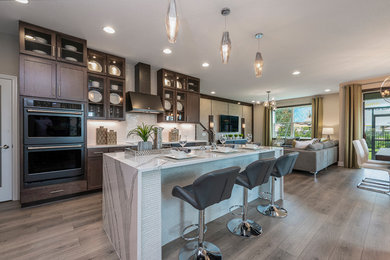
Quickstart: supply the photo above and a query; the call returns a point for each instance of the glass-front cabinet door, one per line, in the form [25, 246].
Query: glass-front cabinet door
[96, 97]
[116, 66]
[168, 103]
[181, 82]
[37, 41]
[115, 90]
[181, 106]
[71, 49]
[169, 79]
[96, 62]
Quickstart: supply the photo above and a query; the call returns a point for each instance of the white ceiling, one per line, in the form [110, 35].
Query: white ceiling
[330, 41]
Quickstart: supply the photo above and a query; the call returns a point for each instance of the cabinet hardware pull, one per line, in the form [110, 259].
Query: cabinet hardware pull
[59, 90]
[53, 51]
[53, 112]
[59, 52]
[56, 191]
[53, 147]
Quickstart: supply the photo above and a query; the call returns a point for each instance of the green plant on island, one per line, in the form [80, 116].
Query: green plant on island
[235, 135]
[143, 131]
[230, 135]
[241, 135]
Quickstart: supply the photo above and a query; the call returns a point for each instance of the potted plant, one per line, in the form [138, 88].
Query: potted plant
[230, 136]
[235, 136]
[241, 136]
[144, 132]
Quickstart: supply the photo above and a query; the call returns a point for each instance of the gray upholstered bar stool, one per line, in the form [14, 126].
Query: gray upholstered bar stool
[283, 166]
[207, 190]
[255, 174]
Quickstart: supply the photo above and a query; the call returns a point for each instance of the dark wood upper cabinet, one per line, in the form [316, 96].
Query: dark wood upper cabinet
[37, 77]
[180, 97]
[71, 49]
[106, 86]
[37, 41]
[106, 64]
[49, 44]
[193, 103]
[71, 82]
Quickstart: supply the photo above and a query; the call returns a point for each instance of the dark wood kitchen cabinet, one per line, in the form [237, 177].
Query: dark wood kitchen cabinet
[50, 79]
[193, 107]
[71, 80]
[37, 77]
[180, 97]
[95, 168]
[45, 43]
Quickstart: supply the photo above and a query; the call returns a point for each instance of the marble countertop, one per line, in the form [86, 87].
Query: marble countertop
[90, 146]
[154, 162]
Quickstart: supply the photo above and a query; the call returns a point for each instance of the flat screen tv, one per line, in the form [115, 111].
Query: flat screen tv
[228, 124]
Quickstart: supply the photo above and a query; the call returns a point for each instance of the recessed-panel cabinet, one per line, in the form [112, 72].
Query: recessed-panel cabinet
[37, 77]
[71, 81]
[193, 102]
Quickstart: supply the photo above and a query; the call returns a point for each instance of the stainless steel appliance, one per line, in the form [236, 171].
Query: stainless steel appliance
[51, 164]
[51, 122]
[54, 142]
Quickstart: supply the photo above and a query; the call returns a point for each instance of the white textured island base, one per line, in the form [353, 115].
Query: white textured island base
[139, 231]
[120, 186]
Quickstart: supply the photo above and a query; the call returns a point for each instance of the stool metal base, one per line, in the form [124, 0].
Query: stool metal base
[191, 251]
[272, 211]
[247, 228]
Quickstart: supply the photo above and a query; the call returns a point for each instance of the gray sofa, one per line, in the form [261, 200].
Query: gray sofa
[314, 161]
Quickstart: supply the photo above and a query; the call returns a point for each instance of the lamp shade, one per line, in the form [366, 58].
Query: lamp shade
[327, 131]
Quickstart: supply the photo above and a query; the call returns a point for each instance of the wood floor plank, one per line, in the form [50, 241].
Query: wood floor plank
[329, 218]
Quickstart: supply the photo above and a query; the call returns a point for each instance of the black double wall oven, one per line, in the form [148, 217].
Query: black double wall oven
[54, 142]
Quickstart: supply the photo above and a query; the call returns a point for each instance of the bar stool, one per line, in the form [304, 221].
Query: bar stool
[207, 190]
[255, 174]
[283, 166]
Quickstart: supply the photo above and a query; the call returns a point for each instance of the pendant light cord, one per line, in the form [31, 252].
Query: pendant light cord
[225, 22]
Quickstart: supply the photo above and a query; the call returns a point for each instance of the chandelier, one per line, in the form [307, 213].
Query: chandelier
[270, 104]
[385, 89]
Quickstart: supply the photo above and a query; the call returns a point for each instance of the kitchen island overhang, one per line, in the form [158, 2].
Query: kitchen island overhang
[139, 213]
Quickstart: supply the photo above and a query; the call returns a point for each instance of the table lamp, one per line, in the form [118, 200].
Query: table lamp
[328, 131]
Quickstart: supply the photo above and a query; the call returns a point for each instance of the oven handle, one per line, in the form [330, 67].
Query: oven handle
[53, 147]
[53, 112]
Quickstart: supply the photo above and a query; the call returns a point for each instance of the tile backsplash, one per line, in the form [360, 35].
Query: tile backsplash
[132, 120]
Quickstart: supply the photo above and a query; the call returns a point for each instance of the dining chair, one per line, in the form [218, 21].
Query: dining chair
[371, 184]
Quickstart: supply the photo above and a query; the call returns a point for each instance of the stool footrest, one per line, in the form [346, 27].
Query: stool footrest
[190, 226]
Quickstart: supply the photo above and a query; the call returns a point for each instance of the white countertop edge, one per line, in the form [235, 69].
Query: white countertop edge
[171, 163]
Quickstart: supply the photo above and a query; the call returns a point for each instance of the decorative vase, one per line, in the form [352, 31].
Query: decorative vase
[143, 146]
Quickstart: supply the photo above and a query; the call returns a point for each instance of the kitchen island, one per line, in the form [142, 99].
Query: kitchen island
[139, 213]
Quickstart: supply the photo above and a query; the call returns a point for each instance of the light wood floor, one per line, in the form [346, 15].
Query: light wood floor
[329, 218]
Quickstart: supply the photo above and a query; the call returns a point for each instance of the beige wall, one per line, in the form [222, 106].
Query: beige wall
[9, 54]
[331, 113]
[216, 108]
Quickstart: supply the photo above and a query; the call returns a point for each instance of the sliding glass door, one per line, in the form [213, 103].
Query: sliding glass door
[376, 122]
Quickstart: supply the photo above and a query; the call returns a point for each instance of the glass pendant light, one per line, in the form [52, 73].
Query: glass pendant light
[226, 44]
[172, 22]
[270, 104]
[259, 59]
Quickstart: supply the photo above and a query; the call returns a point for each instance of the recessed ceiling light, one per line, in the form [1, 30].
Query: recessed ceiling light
[167, 51]
[253, 101]
[22, 1]
[212, 92]
[327, 90]
[295, 73]
[205, 65]
[109, 29]
[257, 102]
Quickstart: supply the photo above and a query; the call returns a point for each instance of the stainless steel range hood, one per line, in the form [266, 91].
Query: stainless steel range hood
[142, 101]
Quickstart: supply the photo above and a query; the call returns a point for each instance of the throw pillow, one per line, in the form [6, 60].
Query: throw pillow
[315, 147]
[328, 144]
[302, 144]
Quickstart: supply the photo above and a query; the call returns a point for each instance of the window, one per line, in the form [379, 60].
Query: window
[292, 122]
